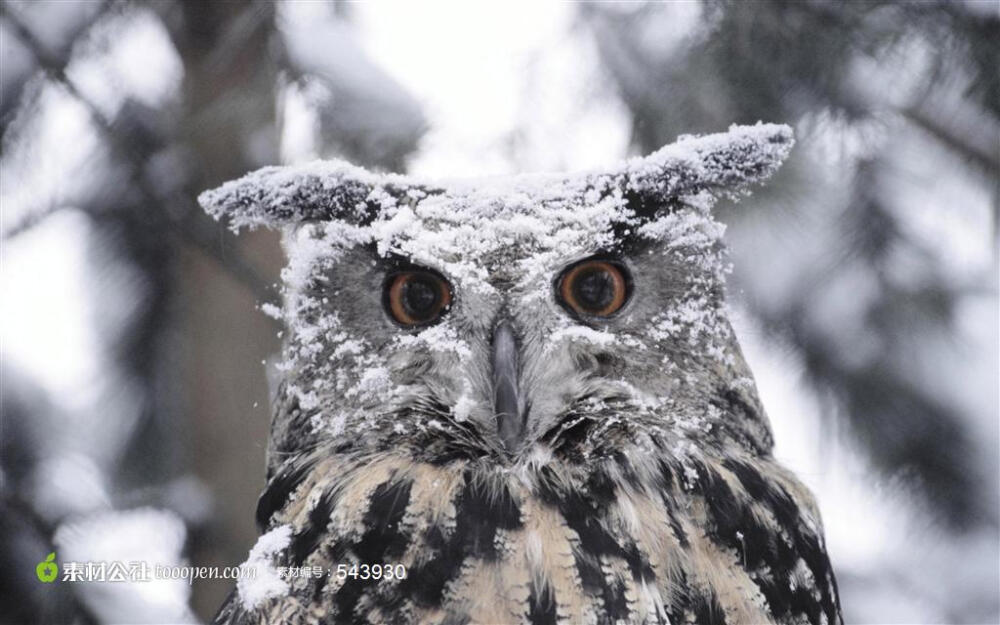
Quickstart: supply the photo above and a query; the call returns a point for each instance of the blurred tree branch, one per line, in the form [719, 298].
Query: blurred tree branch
[55, 54]
[186, 224]
[969, 142]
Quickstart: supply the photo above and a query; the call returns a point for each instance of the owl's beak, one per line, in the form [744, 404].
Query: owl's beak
[506, 397]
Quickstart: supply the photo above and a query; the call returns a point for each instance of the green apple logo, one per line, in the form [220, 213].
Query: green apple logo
[47, 570]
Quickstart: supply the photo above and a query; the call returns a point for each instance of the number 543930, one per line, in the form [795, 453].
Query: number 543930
[371, 571]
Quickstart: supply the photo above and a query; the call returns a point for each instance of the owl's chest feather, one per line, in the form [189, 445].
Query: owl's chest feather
[641, 540]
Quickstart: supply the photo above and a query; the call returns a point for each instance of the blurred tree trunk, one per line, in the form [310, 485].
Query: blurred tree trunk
[228, 127]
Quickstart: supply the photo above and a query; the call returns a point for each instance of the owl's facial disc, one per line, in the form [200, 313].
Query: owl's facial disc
[532, 317]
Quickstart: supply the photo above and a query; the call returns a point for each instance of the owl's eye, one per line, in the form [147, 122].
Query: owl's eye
[594, 288]
[416, 297]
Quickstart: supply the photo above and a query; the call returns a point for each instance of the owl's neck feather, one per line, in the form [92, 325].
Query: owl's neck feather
[620, 537]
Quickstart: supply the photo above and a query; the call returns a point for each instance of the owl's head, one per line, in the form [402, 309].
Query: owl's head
[516, 319]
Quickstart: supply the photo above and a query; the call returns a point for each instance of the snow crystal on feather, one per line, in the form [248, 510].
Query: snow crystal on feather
[260, 580]
[725, 163]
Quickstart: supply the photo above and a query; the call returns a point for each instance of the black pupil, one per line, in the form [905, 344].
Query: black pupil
[420, 297]
[594, 289]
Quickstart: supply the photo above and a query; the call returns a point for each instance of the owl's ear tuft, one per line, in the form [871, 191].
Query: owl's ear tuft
[726, 163]
[317, 191]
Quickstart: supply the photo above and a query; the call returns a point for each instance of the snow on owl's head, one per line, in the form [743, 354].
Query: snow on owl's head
[513, 319]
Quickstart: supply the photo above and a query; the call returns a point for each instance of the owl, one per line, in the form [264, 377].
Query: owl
[520, 400]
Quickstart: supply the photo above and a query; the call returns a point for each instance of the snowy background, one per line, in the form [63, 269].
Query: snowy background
[134, 389]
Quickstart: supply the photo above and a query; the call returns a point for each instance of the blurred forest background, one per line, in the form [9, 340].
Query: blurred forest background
[134, 387]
